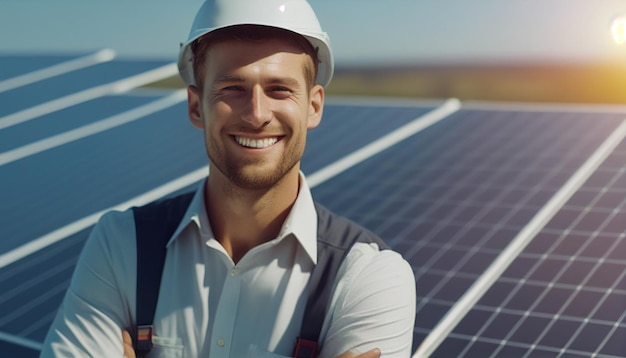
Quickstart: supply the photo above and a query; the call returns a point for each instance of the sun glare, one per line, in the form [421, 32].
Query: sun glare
[618, 29]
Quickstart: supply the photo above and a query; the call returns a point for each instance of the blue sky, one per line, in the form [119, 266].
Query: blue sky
[362, 31]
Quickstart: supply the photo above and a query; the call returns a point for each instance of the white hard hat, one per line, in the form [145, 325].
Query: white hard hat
[293, 15]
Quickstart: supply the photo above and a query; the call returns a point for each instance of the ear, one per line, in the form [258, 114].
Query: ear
[316, 106]
[194, 106]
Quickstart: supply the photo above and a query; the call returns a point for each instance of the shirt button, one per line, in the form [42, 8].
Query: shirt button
[220, 342]
[234, 272]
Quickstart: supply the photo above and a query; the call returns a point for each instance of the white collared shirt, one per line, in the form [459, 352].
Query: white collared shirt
[210, 307]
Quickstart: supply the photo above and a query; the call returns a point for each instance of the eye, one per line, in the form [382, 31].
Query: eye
[280, 92]
[233, 88]
[280, 89]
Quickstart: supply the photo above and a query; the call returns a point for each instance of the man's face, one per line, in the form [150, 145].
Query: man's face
[255, 109]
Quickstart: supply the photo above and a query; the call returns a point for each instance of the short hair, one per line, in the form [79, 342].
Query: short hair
[251, 33]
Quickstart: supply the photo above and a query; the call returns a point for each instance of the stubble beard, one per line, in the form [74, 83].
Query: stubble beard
[254, 174]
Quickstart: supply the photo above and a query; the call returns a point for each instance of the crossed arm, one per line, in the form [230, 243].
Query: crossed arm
[129, 352]
[371, 306]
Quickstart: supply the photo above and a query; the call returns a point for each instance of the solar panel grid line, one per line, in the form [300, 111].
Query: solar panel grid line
[462, 306]
[21, 341]
[27, 279]
[512, 294]
[388, 184]
[384, 142]
[578, 334]
[25, 307]
[493, 342]
[589, 253]
[398, 182]
[469, 251]
[40, 278]
[42, 322]
[70, 118]
[461, 205]
[424, 215]
[92, 128]
[33, 324]
[508, 338]
[598, 264]
[57, 69]
[116, 87]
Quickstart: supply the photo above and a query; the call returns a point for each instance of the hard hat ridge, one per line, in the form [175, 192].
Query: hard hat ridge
[293, 15]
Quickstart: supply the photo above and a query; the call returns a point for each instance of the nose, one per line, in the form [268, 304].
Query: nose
[258, 114]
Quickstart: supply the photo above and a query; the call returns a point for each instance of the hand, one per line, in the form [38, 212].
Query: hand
[374, 353]
[129, 351]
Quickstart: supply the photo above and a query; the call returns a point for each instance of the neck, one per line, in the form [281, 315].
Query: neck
[244, 218]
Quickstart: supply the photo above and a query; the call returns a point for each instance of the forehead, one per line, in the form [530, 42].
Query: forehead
[275, 56]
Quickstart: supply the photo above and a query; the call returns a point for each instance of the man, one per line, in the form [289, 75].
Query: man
[234, 283]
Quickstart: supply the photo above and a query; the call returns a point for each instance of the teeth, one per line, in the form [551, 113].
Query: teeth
[256, 143]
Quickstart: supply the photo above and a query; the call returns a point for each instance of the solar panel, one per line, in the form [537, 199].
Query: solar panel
[451, 198]
[67, 119]
[19, 64]
[32, 94]
[451, 195]
[565, 294]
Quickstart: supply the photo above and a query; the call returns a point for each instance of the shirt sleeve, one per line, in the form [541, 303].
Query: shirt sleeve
[96, 306]
[373, 305]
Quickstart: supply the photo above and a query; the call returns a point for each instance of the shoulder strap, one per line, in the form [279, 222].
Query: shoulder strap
[155, 224]
[336, 236]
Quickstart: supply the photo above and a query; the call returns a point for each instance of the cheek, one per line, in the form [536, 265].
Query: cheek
[217, 114]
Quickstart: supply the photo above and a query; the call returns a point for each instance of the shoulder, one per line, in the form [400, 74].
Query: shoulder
[114, 232]
[367, 264]
[365, 250]
[116, 222]
[373, 303]
[110, 250]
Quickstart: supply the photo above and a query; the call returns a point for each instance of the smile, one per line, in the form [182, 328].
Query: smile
[256, 143]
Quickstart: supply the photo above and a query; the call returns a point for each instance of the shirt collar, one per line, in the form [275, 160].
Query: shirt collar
[301, 221]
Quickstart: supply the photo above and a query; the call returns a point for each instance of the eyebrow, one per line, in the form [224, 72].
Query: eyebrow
[287, 80]
[229, 79]
[290, 81]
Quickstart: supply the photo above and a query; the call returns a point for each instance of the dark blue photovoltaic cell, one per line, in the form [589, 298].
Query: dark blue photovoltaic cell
[566, 292]
[452, 197]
